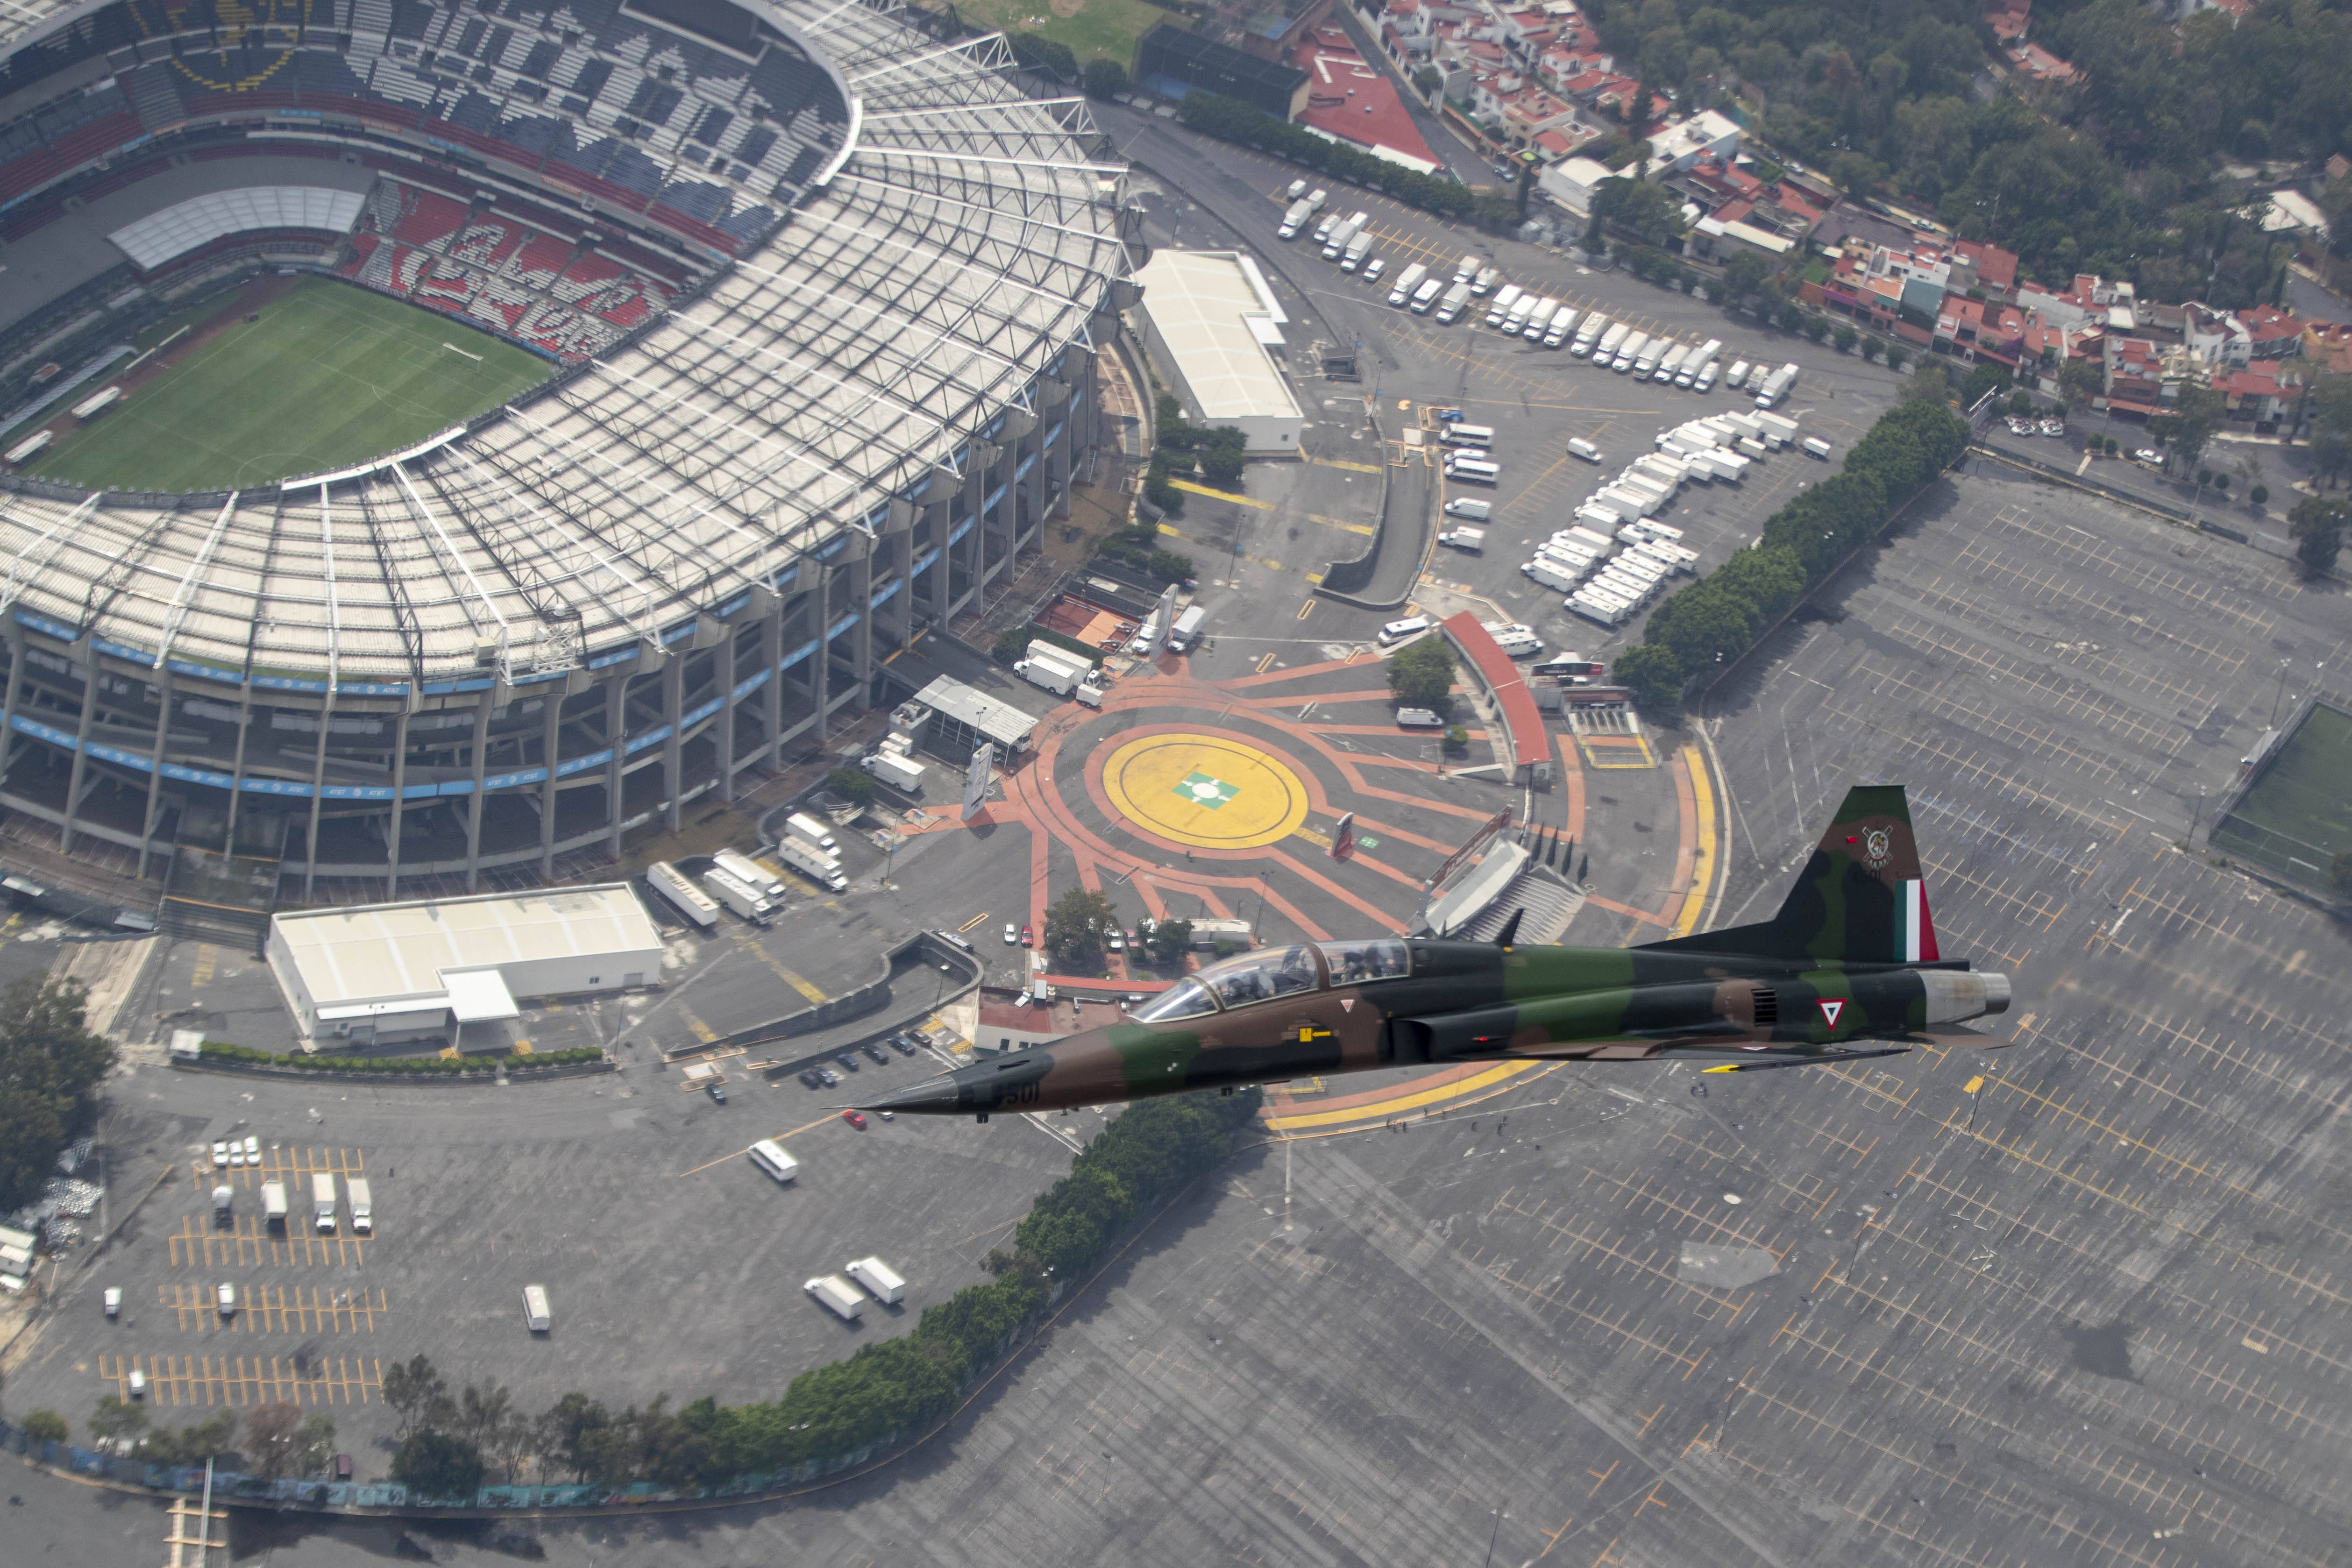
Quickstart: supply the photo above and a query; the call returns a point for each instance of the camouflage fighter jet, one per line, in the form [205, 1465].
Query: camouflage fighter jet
[1848, 962]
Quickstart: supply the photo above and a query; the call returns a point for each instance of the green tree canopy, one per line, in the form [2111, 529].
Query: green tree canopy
[1105, 78]
[1653, 675]
[1650, 213]
[1076, 925]
[437, 1465]
[1421, 674]
[2199, 413]
[2317, 524]
[50, 1065]
[852, 784]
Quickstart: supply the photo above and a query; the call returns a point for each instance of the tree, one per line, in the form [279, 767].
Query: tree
[480, 1412]
[1076, 924]
[195, 1443]
[562, 1434]
[1653, 673]
[269, 1437]
[2317, 524]
[512, 1445]
[50, 1070]
[1847, 336]
[1421, 674]
[2221, 483]
[1170, 940]
[44, 1426]
[2198, 413]
[438, 1465]
[1743, 275]
[1928, 384]
[1791, 317]
[1044, 56]
[1650, 213]
[1105, 78]
[1817, 328]
[1429, 81]
[1221, 457]
[2021, 402]
[416, 1393]
[115, 1419]
[2330, 410]
[2079, 381]
[1872, 348]
[854, 785]
[313, 1445]
[1897, 356]
[2260, 495]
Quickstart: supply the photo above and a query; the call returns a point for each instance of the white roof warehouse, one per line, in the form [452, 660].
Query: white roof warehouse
[385, 970]
[1210, 322]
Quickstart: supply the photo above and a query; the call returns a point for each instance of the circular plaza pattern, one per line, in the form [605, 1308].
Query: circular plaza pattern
[1210, 791]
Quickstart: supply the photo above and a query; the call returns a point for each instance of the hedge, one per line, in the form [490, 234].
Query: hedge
[1245, 125]
[423, 1066]
[1713, 622]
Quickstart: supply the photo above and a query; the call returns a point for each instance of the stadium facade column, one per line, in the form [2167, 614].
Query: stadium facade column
[977, 459]
[820, 678]
[88, 657]
[162, 688]
[772, 688]
[616, 736]
[673, 713]
[551, 744]
[476, 804]
[317, 794]
[399, 797]
[930, 532]
[236, 769]
[12, 636]
[1054, 459]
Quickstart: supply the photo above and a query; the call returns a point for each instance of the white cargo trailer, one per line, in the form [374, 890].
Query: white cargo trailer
[738, 896]
[879, 1278]
[679, 890]
[838, 1295]
[750, 873]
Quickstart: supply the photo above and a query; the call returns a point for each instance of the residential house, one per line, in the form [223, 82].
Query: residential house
[2272, 333]
[2260, 393]
[1995, 268]
[1705, 134]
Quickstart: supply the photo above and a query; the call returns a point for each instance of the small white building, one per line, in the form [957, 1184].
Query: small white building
[377, 972]
[1211, 323]
[1571, 182]
[1705, 134]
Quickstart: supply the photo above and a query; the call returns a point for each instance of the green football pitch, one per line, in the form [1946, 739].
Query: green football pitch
[2298, 816]
[330, 375]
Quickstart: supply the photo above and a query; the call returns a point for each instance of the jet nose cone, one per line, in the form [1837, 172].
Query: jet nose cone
[934, 1096]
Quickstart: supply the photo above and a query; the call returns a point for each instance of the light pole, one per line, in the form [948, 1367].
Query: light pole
[1499, 1517]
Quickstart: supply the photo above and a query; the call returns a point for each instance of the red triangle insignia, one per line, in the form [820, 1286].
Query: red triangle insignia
[1830, 1011]
[1347, 1004]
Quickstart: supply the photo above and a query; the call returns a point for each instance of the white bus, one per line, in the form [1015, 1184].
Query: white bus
[1468, 435]
[771, 1157]
[1471, 471]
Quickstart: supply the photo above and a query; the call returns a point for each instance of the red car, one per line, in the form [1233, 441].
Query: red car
[855, 1118]
[1028, 938]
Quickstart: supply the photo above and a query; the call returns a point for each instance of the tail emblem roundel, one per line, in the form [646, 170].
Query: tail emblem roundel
[1877, 848]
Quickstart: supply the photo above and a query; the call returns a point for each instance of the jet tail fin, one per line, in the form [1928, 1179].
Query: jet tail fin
[1860, 898]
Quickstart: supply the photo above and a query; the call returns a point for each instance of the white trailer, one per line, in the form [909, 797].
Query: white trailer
[1209, 933]
[1340, 239]
[895, 771]
[273, 1205]
[1187, 630]
[1407, 281]
[1778, 424]
[1736, 377]
[809, 831]
[362, 1207]
[1053, 669]
[680, 891]
[814, 861]
[1551, 574]
[1599, 513]
[1451, 307]
[1645, 363]
[1778, 386]
[1599, 543]
[1294, 219]
[1497, 309]
[838, 1295]
[879, 1278]
[738, 895]
[1664, 468]
[750, 873]
[1593, 329]
[1600, 610]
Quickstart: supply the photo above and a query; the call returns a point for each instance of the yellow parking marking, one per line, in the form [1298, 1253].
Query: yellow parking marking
[246, 1380]
[1306, 609]
[751, 945]
[1341, 463]
[1382, 1109]
[702, 1031]
[1187, 485]
[207, 957]
[973, 922]
[777, 1137]
[1703, 867]
[1265, 663]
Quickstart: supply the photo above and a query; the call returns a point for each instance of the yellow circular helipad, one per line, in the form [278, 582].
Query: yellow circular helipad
[1204, 790]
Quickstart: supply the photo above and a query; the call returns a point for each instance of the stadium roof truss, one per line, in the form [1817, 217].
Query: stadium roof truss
[959, 245]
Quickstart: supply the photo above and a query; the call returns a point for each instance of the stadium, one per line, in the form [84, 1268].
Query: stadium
[594, 394]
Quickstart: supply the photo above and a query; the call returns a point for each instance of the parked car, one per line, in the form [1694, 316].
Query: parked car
[718, 1092]
[2020, 426]
[252, 1150]
[1028, 938]
[2053, 427]
[1117, 942]
[1449, 415]
[236, 1155]
[1374, 269]
[226, 1300]
[875, 1053]
[829, 1077]
[1419, 718]
[855, 1118]
[846, 1060]
[2150, 455]
[114, 1301]
[809, 1078]
[905, 1044]
[887, 1115]
[220, 1152]
[1012, 935]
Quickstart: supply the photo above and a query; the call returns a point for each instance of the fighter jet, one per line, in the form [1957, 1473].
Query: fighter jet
[1849, 968]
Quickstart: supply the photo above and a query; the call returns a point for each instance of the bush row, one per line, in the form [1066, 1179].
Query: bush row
[1713, 620]
[1228, 119]
[422, 1066]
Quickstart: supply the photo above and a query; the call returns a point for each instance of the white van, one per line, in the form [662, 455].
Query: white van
[1473, 471]
[1584, 449]
[1476, 511]
[1396, 631]
[537, 1315]
[771, 1157]
[1517, 641]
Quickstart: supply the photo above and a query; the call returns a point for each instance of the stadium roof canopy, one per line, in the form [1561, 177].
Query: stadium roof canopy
[920, 291]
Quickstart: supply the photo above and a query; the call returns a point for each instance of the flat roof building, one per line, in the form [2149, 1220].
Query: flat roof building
[387, 971]
[1209, 322]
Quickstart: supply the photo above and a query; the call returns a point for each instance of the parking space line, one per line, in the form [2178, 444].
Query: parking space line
[246, 1243]
[245, 1381]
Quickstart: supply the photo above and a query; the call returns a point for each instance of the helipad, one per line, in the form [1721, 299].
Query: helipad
[1206, 791]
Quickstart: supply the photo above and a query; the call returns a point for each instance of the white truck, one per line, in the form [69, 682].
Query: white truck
[1209, 933]
[1343, 236]
[1706, 376]
[1469, 541]
[223, 1200]
[1500, 305]
[1736, 377]
[1604, 352]
[1357, 248]
[1450, 307]
[1551, 574]
[1705, 354]
[838, 1295]
[1779, 429]
[1589, 331]
[1563, 323]
[738, 896]
[1407, 281]
[1187, 630]
[1515, 321]
[1670, 363]
[1053, 669]
[1645, 363]
[1294, 219]
[1467, 270]
[895, 771]
[273, 1205]
[1778, 386]
[879, 1278]
[679, 890]
[1487, 277]
[322, 1200]
[814, 861]
[362, 1207]
[1426, 294]
[809, 831]
[750, 873]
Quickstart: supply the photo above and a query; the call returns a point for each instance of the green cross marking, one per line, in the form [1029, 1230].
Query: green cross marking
[1202, 790]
